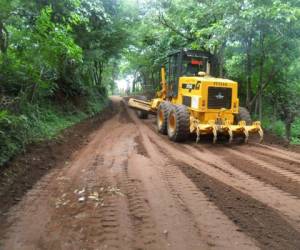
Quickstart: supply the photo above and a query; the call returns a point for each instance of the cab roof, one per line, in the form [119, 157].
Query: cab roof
[190, 53]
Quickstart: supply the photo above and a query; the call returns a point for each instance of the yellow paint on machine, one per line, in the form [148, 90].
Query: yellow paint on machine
[213, 105]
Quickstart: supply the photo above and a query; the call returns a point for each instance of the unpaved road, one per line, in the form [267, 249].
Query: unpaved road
[131, 188]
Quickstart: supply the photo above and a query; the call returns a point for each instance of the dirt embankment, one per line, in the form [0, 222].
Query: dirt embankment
[21, 173]
[123, 186]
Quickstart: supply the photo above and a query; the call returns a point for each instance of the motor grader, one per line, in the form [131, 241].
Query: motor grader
[192, 101]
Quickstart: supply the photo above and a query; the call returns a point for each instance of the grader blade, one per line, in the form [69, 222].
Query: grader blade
[139, 104]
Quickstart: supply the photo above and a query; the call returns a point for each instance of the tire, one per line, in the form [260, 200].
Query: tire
[243, 115]
[162, 117]
[178, 123]
[141, 113]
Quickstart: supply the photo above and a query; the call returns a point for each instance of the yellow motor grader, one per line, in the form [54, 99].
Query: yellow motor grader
[192, 101]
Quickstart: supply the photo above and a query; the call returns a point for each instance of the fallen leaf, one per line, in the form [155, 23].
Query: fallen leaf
[81, 199]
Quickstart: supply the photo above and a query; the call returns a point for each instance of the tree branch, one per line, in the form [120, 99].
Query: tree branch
[265, 84]
[164, 22]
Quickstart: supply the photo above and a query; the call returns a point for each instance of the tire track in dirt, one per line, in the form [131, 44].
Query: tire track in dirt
[281, 171]
[277, 199]
[93, 222]
[178, 229]
[273, 197]
[191, 200]
[288, 159]
[275, 151]
[252, 216]
[262, 174]
[287, 164]
[143, 227]
[213, 227]
[125, 193]
[69, 223]
[140, 213]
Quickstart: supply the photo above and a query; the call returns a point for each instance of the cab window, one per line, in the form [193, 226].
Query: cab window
[191, 66]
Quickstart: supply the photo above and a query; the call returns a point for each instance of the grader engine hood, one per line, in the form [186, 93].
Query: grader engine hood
[209, 94]
[213, 105]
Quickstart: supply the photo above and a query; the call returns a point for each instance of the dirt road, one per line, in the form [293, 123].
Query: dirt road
[131, 188]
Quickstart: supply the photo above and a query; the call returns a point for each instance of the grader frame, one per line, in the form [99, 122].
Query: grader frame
[208, 105]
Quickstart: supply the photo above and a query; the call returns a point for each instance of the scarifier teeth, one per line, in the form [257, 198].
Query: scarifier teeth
[215, 139]
[261, 134]
[230, 135]
[198, 136]
[246, 135]
[215, 135]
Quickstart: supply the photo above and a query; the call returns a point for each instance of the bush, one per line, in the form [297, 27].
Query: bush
[277, 127]
[13, 134]
[296, 132]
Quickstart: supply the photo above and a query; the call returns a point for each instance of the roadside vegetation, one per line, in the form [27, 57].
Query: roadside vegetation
[57, 62]
[59, 59]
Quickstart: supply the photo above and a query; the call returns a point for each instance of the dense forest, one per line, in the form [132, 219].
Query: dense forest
[60, 59]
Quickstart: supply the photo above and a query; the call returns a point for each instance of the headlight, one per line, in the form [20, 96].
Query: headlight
[195, 102]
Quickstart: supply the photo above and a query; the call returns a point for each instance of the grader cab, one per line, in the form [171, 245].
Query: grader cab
[192, 101]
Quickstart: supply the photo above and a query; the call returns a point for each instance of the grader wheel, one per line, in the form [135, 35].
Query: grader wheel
[178, 123]
[243, 115]
[141, 113]
[162, 117]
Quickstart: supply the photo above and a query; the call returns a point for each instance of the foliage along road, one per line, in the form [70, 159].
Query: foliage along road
[131, 188]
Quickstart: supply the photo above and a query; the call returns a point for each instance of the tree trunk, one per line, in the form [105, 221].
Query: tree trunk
[98, 65]
[261, 66]
[260, 104]
[256, 107]
[3, 38]
[288, 126]
[248, 74]
[101, 68]
[133, 85]
[153, 79]
[221, 60]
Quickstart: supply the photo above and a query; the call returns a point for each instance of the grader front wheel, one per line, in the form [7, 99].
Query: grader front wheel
[141, 113]
[178, 123]
[162, 117]
[243, 115]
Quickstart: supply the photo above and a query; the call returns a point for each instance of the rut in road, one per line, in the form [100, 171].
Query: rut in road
[131, 188]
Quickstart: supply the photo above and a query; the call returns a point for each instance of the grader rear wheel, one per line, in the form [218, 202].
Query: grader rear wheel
[178, 123]
[162, 117]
